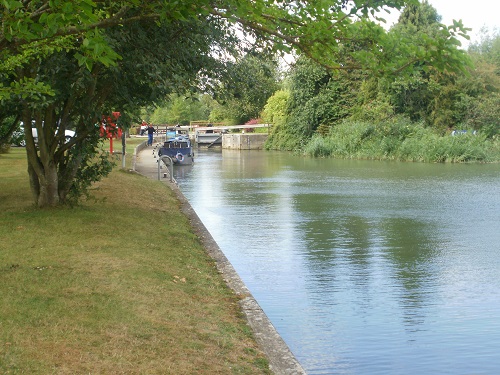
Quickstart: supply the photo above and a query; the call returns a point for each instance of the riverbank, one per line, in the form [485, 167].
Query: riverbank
[281, 359]
[395, 140]
[120, 284]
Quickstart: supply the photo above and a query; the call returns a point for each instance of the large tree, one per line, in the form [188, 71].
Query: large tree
[318, 97]
[59, 169]
[67, 62]
[249, 82]
[428, 93]
[478, 106]
[180, 109]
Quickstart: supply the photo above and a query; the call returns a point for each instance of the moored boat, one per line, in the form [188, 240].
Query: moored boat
[178, 148]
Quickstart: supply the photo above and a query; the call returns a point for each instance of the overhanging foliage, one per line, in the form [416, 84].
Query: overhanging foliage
[69, 62]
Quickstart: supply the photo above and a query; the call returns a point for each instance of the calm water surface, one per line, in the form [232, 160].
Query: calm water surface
[363, 267]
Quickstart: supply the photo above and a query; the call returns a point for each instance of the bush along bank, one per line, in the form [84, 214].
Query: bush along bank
[402, 140]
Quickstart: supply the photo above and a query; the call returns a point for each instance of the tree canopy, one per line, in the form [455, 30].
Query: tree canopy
[63, 64]
[249, 82]
[428, 94]
[321, 30]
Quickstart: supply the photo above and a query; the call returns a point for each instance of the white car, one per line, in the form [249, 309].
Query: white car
[18, 136]
[68, 134]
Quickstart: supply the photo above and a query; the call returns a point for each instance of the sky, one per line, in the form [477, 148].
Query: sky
[473, 13]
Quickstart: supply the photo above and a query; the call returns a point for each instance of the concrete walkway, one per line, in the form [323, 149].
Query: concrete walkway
[281, 359]
[144, 161]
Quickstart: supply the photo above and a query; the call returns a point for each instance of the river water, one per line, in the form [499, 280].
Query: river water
[363, 267]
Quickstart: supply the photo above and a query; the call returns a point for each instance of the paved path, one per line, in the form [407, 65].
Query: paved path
[145, 161]
[281, 359]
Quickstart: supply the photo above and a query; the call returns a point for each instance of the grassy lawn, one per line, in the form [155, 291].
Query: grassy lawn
[117, 285]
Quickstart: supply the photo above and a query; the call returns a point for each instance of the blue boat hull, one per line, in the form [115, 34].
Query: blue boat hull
[179, 150]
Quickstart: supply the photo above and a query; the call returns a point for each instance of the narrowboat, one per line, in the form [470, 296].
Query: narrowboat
[178, 148]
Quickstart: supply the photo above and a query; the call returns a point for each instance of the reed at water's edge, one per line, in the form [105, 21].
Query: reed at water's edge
[402, 141]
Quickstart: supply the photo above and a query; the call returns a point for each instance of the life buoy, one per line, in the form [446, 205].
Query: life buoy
[179, 157]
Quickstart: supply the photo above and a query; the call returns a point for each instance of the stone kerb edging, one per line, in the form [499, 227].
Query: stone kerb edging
[281, 359]
[137, 149]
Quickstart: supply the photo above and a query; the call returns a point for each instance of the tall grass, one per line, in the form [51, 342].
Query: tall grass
[401, 140]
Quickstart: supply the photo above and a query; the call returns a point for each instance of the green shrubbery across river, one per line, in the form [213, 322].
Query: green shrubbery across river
[403, 141]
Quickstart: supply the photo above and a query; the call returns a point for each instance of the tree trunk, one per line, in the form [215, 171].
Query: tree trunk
[49, 192]
[44, 185]
[34, 182]
[42, 168]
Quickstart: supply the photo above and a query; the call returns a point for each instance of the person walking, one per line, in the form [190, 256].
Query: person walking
[150, 131]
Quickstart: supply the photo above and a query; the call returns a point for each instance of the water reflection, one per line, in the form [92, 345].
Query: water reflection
[409, 247]
[363, 267]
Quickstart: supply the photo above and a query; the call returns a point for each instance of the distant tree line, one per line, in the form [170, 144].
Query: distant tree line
[311, 99]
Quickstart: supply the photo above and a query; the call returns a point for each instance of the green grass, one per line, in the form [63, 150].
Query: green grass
[132, 143]
[121, 285]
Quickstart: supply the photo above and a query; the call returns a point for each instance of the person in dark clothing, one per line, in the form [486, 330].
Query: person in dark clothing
[150, 131]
